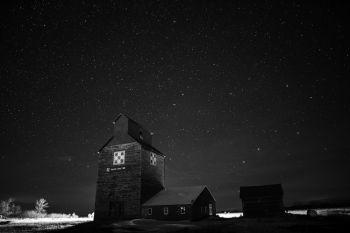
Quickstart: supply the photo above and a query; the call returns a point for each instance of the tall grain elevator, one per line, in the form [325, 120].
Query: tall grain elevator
[130, 171]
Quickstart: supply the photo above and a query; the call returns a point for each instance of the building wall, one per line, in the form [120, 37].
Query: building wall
[262, 206]
[152, 177]
[120, 132]
[118, 190]
[174, 212]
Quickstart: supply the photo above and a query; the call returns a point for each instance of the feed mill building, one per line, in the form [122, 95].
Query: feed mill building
[261, 201]
[130, 181]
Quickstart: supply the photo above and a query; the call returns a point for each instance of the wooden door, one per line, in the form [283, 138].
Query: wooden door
[116, 209]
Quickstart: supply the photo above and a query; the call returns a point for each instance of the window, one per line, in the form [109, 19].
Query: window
[165, 210]
[141, 137]
[210, 209]
[182, 209]
[153, 159]
[119, 157]
[149, 211]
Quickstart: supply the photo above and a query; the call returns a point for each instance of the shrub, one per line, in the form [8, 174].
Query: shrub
[58, 215]
[9, 209]
[33, 214]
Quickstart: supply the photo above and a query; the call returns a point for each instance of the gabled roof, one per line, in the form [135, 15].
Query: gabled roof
[176, 196]
[260, 191]
[129, 118]
[144, 144]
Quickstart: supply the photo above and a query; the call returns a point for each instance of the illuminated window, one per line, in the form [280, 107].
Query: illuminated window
[149, 211]
[166, 210]
[210, 209]
[153, 159]
[182, 209]
[119, 157]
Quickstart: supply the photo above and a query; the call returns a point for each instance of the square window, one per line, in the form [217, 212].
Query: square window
[166, 210]
[149, 211]
[182, 209]
[153, 159]
[119, 157]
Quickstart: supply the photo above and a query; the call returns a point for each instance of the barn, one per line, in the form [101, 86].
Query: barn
[130, 181]
[261, 201]
[179, 203]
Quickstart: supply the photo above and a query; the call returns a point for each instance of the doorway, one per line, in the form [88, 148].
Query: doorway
[116, 209]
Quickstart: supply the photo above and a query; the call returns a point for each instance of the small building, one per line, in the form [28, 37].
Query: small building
[193, 203]
[260, 201]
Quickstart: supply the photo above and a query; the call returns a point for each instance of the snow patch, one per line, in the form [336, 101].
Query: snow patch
[49, 220]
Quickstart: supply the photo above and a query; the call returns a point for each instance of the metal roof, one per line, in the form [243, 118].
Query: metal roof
[176, 196]
[144, 144]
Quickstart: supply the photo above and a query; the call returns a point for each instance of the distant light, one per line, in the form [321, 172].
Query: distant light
[230, 215]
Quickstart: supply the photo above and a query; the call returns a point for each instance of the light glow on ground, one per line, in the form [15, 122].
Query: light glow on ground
[48, 220]
[230, 215]
[320, 212]
[323, 212]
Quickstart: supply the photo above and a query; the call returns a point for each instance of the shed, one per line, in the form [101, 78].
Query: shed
[259, 201]
[179, 203]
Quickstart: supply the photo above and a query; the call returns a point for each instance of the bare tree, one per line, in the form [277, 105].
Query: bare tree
[41, 205]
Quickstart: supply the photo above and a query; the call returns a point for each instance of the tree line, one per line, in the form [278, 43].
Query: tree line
[9, 208]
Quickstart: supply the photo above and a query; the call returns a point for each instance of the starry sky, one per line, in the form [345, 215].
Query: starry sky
[236, 93]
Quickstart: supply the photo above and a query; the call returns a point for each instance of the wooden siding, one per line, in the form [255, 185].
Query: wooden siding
[119, 189]
[263, 206]
[120, 132]
[197, 210]
[152, 177]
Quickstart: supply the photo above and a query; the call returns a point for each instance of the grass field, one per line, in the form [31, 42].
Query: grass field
[287, 224]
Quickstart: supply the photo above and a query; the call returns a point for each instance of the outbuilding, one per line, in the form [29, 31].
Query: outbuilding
[179, 203]
[260, 201]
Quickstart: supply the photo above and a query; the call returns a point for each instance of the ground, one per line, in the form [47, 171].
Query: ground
[288, 224]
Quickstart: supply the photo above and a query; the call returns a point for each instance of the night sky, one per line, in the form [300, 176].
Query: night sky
[236, 93]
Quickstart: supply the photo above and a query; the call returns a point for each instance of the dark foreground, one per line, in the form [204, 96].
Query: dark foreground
[286, 224]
